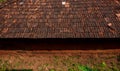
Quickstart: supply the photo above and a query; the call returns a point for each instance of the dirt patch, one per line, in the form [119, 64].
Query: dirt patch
[64, 60]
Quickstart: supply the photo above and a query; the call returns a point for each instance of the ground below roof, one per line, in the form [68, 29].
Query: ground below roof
[64, 60]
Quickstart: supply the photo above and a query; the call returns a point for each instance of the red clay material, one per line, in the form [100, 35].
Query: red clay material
[52, 19]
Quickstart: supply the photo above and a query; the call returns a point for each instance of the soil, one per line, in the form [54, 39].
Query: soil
[60, 60]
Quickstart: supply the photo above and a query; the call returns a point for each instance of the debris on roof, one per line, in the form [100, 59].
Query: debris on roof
[118, 15]
[5, 30]
[109, 24]
[21, 3]
[63, 2]
[66, 4]
[112, 28]
[117, 2]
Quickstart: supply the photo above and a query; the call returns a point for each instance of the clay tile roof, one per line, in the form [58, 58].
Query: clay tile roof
[60, 19]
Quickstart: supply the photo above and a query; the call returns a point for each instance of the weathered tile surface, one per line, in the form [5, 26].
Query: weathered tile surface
[60, 19]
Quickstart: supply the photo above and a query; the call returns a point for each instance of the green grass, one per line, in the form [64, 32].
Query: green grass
[71, 66]
[4, 65]
[118, 58]
[84, 68]
[100, 67]
[2, 0]
[52, 70]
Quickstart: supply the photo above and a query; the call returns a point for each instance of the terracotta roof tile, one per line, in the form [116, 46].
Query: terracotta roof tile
[60, 19]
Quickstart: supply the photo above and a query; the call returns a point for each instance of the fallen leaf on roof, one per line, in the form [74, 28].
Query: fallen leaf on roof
[21, 3]
[118, 15]
[117, 1]
[66, 4]
[112, 29]
[63, 3]
[14, 21]
[109, 24]
[4, 30]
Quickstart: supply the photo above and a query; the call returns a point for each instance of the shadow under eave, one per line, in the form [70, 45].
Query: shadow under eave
[59, 44]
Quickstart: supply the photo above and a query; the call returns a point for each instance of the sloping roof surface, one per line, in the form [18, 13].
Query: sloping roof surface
[60, 19]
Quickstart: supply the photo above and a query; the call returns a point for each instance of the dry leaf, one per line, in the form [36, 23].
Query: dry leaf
[5, 30]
